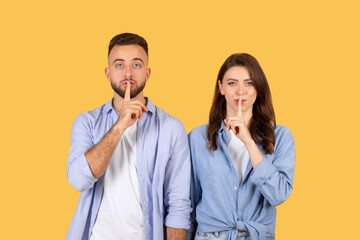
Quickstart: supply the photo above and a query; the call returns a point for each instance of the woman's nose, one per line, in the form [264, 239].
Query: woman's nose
[240, 91]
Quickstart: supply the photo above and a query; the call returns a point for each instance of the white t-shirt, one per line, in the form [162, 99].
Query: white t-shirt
[120, 215]
[238, 154]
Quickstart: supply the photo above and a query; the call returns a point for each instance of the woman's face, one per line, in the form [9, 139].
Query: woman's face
[237, 85]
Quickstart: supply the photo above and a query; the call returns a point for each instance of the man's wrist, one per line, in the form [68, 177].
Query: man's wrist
[119, 127]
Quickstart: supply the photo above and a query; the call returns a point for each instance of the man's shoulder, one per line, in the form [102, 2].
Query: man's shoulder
[167, 119]
[95, 113]
[91, 118]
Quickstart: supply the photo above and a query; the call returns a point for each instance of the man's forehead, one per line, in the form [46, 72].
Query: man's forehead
[127, 50]
[127, 53]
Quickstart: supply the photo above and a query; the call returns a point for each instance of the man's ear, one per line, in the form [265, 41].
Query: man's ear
[148, 73]
[107, 73]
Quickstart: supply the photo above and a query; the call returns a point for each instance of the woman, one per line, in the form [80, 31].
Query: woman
[243, 163]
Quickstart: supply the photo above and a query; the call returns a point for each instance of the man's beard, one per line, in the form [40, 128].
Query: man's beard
[133, 93]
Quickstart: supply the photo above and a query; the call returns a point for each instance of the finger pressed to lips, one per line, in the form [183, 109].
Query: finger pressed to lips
[125, 83]
[127, 92]
[242, 100]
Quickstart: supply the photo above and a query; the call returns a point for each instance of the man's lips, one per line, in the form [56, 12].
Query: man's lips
[124, 83]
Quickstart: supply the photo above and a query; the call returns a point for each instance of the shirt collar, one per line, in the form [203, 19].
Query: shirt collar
[222, 132]
[109, 106]
[222, 128]
[151, 106]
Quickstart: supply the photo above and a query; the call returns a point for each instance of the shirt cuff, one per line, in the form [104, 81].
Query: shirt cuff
[178, 222]
[85, 168]
[263, 171]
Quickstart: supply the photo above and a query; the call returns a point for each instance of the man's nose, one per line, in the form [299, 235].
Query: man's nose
[128, 72]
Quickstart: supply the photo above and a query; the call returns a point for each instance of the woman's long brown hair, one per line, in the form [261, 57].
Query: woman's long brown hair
[263, 122]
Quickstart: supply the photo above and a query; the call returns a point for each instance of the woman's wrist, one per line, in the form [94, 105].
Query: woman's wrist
[249, 142]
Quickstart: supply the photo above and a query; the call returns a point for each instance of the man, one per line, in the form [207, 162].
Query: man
[129, 159]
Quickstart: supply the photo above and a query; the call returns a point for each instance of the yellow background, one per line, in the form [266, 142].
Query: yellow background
[53, 56]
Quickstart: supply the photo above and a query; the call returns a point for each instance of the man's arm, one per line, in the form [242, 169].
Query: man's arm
[87, 162]
[177, 184]
[175, 234]
[99, 156]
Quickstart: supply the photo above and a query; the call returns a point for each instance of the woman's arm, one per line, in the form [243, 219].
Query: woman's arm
[274, 175]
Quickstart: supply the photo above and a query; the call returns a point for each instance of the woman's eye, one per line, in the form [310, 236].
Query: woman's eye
[231, 83]
[249, 84]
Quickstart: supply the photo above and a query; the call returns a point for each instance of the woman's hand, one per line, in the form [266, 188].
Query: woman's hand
[237, 124]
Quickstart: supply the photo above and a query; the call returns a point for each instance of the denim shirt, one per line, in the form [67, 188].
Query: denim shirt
[221, 204]
[163, 168]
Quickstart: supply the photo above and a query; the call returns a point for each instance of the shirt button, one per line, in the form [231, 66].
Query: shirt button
[147, 222]
[140, 140]
[235, 188]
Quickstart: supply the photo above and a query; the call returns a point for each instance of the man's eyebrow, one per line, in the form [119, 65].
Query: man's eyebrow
[139, 59]
[118, 59]
[122, 60]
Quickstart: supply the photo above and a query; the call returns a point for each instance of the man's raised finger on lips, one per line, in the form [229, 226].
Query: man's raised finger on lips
[134, 108]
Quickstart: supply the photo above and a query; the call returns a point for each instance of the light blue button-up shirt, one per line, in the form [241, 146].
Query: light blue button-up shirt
[221, 203]
[163, 168]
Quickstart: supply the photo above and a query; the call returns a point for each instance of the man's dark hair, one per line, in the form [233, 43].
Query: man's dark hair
[128, 39]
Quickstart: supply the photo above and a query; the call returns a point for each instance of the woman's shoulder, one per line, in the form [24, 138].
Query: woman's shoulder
[281, 131]
[198, 131]
[198, 138]
[283, 135]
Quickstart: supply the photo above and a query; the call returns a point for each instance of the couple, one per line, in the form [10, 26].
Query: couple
[138, 178]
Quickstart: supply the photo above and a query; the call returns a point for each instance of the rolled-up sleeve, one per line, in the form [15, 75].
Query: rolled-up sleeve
[275, 173]
[177, 182]
[78, 171]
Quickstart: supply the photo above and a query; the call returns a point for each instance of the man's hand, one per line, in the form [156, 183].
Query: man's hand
[99, 156]
[130, 110]
[175, 234]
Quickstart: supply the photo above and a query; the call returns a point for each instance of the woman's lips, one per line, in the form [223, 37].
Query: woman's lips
[242, 101]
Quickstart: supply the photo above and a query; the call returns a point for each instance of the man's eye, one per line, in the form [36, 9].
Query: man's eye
[136, 65]
[119, 65]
